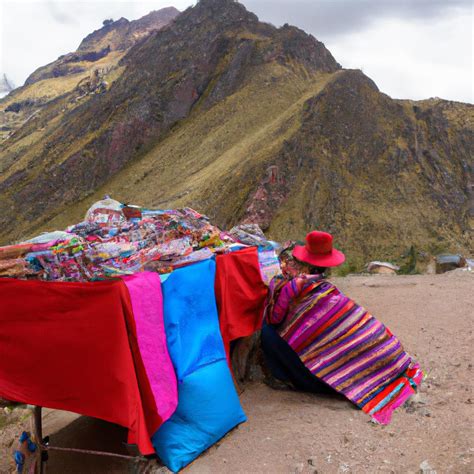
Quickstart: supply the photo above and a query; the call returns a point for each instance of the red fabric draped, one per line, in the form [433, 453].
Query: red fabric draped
[72, 346]
[240, 295]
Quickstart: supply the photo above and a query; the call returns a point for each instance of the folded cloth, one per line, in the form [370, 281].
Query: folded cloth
[72, 346]
[15, 251]
[240, 294]
[147, 303]
[208, 405]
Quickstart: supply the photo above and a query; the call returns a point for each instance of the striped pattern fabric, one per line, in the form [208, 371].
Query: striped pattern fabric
[343, 344]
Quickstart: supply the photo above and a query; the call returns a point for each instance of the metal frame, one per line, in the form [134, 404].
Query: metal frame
[43, 446]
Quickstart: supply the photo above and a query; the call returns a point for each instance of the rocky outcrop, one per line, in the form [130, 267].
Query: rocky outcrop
[122, 34]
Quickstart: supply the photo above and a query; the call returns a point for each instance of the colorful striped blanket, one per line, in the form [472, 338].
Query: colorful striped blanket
[343, 345]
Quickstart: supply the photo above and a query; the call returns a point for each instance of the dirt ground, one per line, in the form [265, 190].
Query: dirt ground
[290, 432]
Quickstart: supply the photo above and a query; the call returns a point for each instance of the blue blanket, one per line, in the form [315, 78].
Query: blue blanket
[208, 405]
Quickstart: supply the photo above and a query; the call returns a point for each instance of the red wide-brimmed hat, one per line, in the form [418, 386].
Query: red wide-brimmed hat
[319, 251]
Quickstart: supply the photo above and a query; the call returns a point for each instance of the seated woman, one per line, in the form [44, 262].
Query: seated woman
[317, 339]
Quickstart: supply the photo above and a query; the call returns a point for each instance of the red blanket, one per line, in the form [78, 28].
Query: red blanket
[72, 346]
[240, 295]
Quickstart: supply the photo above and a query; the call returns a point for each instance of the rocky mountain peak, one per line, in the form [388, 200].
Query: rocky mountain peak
[221, 4]
[221, 12]
[121, 34]
[225, 25]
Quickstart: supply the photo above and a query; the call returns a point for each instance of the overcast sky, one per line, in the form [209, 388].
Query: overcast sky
[411, 48]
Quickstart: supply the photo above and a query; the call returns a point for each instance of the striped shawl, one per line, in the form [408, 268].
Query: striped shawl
[342, 344]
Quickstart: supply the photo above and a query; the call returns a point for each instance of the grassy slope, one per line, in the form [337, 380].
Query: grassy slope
[54, 87]
[47, 90]
[27, 143]
[214, 148]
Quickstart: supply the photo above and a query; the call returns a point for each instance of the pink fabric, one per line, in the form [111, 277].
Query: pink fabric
[147, 303]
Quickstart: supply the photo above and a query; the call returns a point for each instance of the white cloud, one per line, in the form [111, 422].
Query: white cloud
[413, 60]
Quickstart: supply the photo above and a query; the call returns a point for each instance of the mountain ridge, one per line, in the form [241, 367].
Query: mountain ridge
[119, 35]
[85, 71]
[220, 104]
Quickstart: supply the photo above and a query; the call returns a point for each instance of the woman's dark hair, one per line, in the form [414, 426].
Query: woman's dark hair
[319, 270]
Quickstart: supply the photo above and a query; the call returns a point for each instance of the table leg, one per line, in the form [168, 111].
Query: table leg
[38, 430]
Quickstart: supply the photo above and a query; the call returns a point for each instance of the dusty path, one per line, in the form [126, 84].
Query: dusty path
[290, 432]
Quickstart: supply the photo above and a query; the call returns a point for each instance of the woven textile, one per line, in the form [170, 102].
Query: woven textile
[343, 345]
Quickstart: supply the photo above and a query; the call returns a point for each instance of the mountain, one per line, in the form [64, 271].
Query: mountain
[82, 72]
[248, 122]
[114, 36]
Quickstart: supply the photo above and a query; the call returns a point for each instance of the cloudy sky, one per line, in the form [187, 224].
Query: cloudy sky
[411, 48]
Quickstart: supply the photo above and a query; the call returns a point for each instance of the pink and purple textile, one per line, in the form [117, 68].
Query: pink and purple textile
[343, 345]
[147, 304]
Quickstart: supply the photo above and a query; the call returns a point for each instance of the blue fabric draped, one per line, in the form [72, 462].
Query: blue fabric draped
[208, 405]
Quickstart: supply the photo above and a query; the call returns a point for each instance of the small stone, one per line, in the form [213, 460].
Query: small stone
[312, 461]
[343, 467]
[425, 468]
[418, 398]
[424, 412]
[298, 468]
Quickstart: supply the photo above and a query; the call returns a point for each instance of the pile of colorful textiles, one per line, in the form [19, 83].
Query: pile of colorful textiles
[116, 239]
[144, 351]
[95, 296]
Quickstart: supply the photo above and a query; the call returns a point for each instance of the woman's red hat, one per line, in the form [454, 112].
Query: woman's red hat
[319, 251]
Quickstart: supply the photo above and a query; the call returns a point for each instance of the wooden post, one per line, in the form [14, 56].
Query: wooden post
[38, 431]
